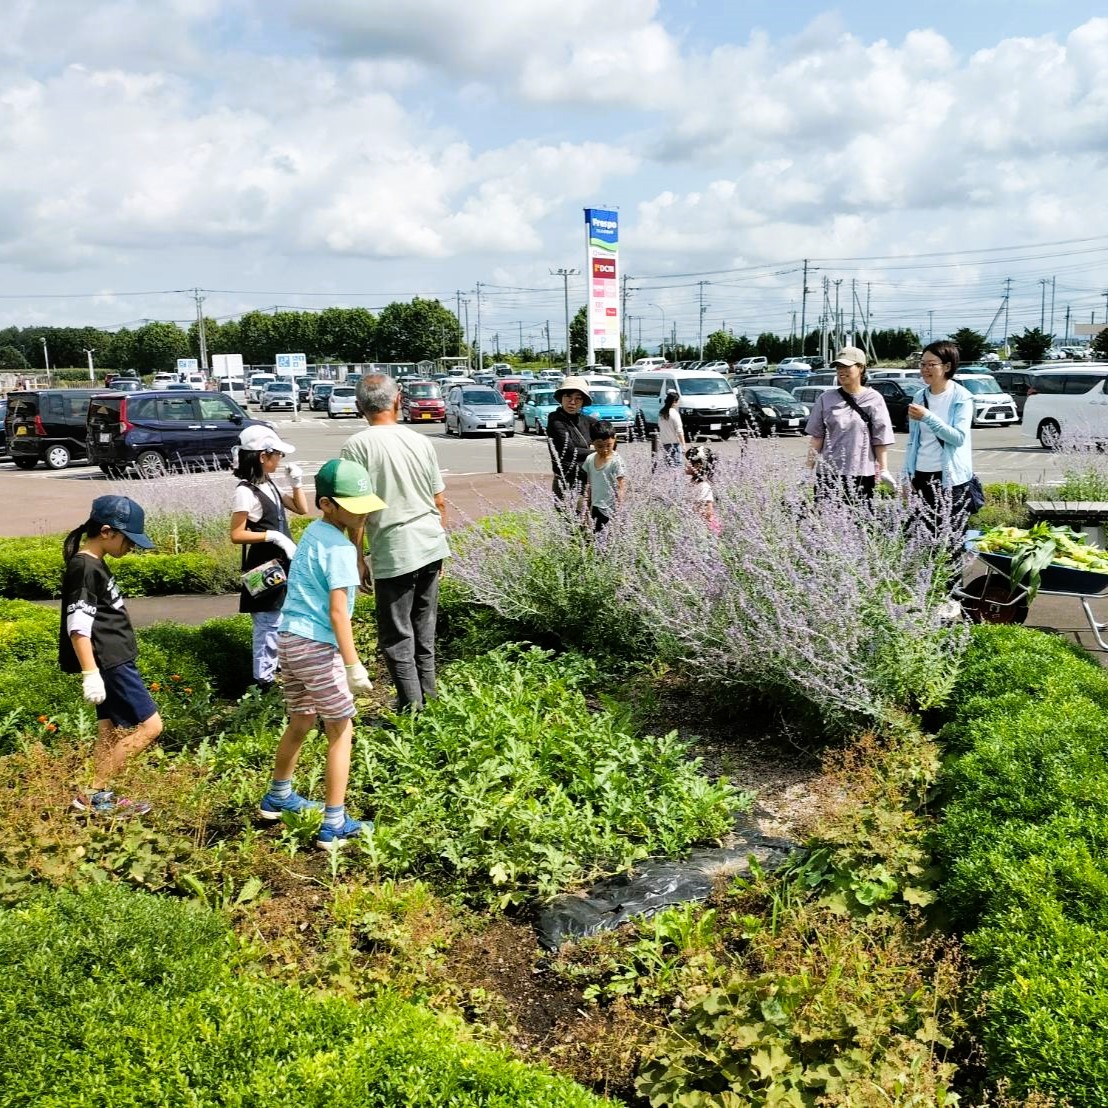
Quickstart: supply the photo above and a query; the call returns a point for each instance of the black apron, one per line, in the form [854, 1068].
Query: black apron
[257, 553]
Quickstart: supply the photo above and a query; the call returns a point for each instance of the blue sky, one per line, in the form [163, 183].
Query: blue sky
[296, 153]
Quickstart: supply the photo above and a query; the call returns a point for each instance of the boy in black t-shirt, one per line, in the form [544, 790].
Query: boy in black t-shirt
[97, 641]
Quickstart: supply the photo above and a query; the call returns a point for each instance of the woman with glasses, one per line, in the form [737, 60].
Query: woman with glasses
[939, 457]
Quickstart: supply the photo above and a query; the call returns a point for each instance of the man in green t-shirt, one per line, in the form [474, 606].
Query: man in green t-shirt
[406, 542]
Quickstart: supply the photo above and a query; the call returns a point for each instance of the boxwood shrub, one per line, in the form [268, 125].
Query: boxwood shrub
[1024, 840]
[122, 998]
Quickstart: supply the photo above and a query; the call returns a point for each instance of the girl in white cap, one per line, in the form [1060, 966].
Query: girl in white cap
[259, 525]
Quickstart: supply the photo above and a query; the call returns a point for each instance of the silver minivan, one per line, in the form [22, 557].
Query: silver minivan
[707, 404]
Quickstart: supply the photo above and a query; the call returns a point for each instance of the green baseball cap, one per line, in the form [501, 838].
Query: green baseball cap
[347, 484]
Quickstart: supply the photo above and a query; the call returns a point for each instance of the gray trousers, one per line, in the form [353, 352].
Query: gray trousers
[407, 607]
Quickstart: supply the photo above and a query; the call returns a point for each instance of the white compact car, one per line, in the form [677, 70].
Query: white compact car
[1066, 404]
[992, 406]
[342, 401]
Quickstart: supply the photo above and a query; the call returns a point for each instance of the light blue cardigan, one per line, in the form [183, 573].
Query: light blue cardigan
[954, 436]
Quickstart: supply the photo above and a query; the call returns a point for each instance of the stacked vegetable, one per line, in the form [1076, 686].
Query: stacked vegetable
[1033, 549]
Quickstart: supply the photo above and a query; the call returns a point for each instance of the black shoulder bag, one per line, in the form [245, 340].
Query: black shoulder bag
[975, 494]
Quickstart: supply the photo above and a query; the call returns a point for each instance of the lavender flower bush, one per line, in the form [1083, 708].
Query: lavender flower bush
[835, 603]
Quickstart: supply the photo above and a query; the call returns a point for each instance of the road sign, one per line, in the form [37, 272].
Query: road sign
[187, 365]
[292, 363]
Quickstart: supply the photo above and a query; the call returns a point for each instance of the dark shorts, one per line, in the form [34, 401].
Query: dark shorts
[128, 702]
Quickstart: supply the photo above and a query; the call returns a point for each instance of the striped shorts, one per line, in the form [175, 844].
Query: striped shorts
[314, 678]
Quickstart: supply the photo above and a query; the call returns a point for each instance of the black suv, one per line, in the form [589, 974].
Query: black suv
[158, 430]
[48, 426]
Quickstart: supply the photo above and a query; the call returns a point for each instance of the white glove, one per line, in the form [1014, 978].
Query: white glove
[295, 475]
[92, 686]
[357, 680]
[279, 539]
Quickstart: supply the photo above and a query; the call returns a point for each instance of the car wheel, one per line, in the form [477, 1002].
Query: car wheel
[150, 463]
[331, 415]
[509, 434]
[1050, 434]
[57, 457]
[25, 463]
[725, 435]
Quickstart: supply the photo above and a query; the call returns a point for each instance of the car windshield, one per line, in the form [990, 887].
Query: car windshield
[772, 396]
[980, 385]
[322, 388]
[423, 391]
[342, 390]
[279, 386]
[482, 396]
[910, 385]
[543, 396]
[604, 395]
[704, 386]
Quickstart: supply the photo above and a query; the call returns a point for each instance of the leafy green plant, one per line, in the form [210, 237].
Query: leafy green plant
[507, 786]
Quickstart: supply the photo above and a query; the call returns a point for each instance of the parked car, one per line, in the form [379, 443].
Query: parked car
[278, 394]
[608, 403]
[317, 399]
[474, 408]
[894, 374]
[342, 401]
[536, 409]
[160, 380]
[992, 406]
[126, 384]
[649, 363]
[756, 364]
[1018, 382]
[48, 426]
[1066, 403]
[775, 411]
[511, 389]
[809, 394]
[303, 390]
[4, 452]
[795, 366]
[257, 384]
[422, 402]
[152, 432]
[235, 388]
[898, 394]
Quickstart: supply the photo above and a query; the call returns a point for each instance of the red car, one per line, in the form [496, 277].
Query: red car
[512, 388]
[421, 402]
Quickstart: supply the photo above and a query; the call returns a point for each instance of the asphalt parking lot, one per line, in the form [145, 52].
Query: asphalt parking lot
[44, 501]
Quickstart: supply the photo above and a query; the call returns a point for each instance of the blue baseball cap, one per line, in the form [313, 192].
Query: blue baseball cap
[122, 514]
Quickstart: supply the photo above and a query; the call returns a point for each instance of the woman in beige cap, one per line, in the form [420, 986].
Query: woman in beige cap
[569, 436]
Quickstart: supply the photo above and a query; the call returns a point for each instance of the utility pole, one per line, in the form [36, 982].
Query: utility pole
[853, 303]
[469, 345]
[203, 338]
[91, 371]
[480, 345]
[803, 305]
[703, 308]
[565, 275]
[1052, 280]
[548, 338]
[1007, 297]
[624, 326]
[496, 343]
[1042, 306]
[838, 324]
[1066, 340]
[1105, 294]
[521, 335]
[931, 325]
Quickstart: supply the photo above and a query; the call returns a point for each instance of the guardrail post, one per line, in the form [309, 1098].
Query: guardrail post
[499, 452]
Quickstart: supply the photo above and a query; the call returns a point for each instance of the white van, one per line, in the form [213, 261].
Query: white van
[707, 404]
[256, 386]
[1066, 403]
[649, 363]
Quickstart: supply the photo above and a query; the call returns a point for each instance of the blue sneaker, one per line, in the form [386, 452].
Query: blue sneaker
[272, 809]
[329, 837]
[103, 802]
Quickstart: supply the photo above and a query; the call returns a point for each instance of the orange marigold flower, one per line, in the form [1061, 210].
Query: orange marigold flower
[154, 686]
[188, 690]
[51, 727]
[175, 677]
[42, 719]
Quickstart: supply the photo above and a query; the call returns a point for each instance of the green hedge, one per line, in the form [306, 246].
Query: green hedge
[121, 998]
[1024, 839]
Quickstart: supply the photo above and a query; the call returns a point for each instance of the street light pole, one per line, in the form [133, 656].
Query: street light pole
[662, 345]
[91, 372]
[565, 275]
[45, 357]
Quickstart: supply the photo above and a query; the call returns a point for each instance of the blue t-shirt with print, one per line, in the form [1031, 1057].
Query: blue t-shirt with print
[325, 559]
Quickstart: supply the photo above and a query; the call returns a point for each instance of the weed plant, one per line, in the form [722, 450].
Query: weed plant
[835, 607]
[508, 786]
